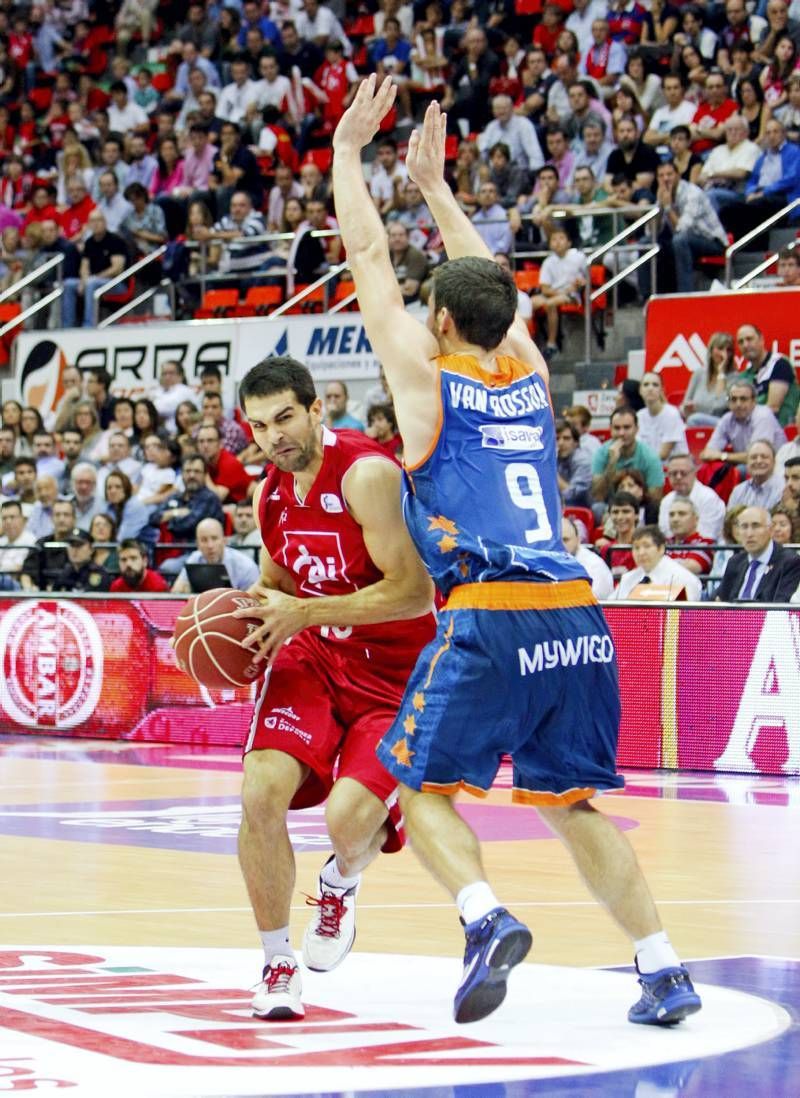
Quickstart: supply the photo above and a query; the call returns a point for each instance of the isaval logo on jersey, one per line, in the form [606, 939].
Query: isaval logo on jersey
[510, 436]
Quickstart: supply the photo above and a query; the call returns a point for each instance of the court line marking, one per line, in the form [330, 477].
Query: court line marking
[375, 907]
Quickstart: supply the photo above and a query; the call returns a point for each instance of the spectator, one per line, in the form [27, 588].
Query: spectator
[111, 204]
[764, 487]
[388, 174]
[145, 226]
[623, 512]
[593, 150]
[130, 515]
[171, 391]
[239, 99]
[235, 169]
[560, 155]
[234, 439]
[574, 466]
[306, 55]
[599, 573]
[514, 131]
[656, 575]
[789, 114]
[310, 256]
[677, 111]
[584, 110]
[75, 217]
[771, 373]
[583, 15]
[382, 427]
[85, 420]
[44, 451]
[98, 386]
[242, 570]
[744, 422]
[562, 278]
[690, 230]
[707, 126]
[491, 220]
[605, 60]
[581, 419]
[124, 115]
[110, 161]
[246, 534]
[49, 555]
[40, 520]
[706, 399]
[104, 257]
[81, 573]
[789, 267]
[623, 451]
[158, 473]
[391, 56]
[135, 17]
[510, 179]
[682, 473]
[756, 113]
[763, 571]
[104, 531]
[790, 500]
[789, 449]
[15, 541]
[410, 265]
[631, 157]
[773, 183]
[180, 514]
[226, 476]
[683, 519]
[336, 415]
[242, 222]
[141, 165]
[660, 423]
[729, 165]
[135, 577]
[739, 27]
[119, 459]
[85, 497]
[22, 486]
[632, 481]
[466, 98]
[8, 441]
[286, 187]
[783, 526]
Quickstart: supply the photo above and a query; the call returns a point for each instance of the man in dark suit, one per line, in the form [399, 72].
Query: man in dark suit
[764, 572]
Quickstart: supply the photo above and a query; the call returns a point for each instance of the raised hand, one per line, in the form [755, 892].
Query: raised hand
[425, 157]
[359, 123]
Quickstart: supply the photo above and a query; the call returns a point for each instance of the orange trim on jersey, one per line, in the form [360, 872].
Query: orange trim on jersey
[510, 369]
[451, 788]
[507, 595]
[436, 434]
[551, 800]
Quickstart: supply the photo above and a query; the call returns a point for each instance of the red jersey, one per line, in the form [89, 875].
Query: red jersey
[231, 474]
[74, 218]
[335, 80]
[707, 117]
[319, 542]
[151, 581]
[703, 557]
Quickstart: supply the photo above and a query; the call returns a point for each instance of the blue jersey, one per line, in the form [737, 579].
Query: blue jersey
[484, 503]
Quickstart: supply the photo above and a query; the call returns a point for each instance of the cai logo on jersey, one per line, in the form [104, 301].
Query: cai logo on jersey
[324, 565]
[510, 436]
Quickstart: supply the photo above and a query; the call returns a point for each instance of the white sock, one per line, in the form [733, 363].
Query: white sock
[332, 876]
[276, 942]
[655, 952]
[475, 901]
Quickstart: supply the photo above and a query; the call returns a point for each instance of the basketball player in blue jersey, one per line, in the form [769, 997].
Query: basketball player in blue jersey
[522, 662]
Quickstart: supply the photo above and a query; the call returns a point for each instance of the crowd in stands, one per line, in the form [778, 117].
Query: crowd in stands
[205, 127]
[154, 493]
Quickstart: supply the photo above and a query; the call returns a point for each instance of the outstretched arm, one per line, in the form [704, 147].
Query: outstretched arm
[425, 164]
[404, 346]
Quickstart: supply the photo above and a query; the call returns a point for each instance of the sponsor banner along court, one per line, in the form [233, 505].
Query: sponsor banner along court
[689, 699]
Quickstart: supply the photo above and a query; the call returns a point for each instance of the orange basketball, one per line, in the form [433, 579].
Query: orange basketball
[207, 639]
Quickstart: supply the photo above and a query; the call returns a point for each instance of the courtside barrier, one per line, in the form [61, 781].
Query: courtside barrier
[703, 687]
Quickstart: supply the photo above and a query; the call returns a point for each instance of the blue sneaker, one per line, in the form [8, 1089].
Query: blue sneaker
[495, 944]
[667, 997]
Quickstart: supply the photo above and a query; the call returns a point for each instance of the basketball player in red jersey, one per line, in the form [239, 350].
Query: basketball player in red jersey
[339, 578]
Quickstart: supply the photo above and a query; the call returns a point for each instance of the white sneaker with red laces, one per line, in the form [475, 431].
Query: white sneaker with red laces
[330, 935]
[278, 994]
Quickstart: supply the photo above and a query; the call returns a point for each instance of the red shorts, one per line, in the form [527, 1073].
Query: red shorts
[327, 702]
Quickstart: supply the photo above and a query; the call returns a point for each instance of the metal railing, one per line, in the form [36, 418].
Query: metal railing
[42, 303]
[737, 245]
[166, 285]
[129, 272]
[297, 299]
[765, 264]
[32, 277]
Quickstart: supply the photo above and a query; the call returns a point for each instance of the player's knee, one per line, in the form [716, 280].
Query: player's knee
[352, 821]
[559, 818]
[267, 790]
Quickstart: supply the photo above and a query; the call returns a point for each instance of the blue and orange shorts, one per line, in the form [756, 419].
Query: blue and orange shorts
[520, 669]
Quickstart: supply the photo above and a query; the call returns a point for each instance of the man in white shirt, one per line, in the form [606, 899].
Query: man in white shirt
[682, 473]
[656, 576]
[172, 391]
[763, 487]
[561, 280]
[388, 174]
[237, 98]
[729, 165]
[599, 572]
[660, 423]
[125, 116]
[16, 540]
[273, 89]
[317, 23]
[514, 130]
[113, 206]
[677, 111]
[119, 460]
[580, 20]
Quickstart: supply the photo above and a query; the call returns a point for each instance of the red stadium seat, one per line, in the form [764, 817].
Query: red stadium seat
[697, 438]
[584, 515]
[217, 303]
[260, 301]
[527, 280]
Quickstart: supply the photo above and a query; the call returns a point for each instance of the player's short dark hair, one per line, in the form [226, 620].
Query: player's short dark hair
[480, 296]
[653, 532]
[275, 374]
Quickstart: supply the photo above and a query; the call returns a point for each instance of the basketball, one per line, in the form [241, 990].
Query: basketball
[207, 639]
